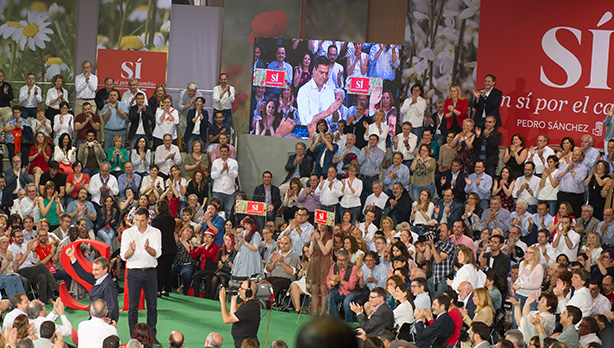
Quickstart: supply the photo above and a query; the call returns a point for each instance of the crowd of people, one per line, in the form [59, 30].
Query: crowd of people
[430, 233]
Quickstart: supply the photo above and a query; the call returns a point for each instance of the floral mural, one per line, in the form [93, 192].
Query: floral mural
[441, 39]
[37, 37]
[137, 25]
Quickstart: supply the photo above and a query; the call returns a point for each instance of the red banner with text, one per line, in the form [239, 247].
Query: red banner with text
[551, 61]
[147, 67]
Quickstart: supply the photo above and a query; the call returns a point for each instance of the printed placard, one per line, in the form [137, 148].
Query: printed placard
[250, 208]
[363, 85]
[325, 217]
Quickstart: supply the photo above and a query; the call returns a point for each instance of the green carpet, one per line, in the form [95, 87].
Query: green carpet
[196, 318]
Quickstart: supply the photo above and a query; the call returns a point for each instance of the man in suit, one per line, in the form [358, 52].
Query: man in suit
[103, 286]
[141, 114]
[486, 145]
[6, 197]
[299, 165]
[15, 174]
[479, 334]
[465, 294]
[435, 325]
[447, 209]
[381, 318]
[269, 194]
[495, 259]
[453, 178]
[486, 102]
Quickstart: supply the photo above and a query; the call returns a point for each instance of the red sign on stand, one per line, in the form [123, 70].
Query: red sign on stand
[147, 67]
[359, 85]
[250, 208]
[324, 217]
[275, 78]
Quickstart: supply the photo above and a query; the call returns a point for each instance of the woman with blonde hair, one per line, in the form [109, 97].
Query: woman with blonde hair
[469, 271]
[117, 155]
[530, 277]
[455, 109]
[378, 128]
[387, 226]
[592, 248]
[484, 311]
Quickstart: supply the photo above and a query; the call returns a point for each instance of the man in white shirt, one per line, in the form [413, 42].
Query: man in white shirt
[29, 204]
[20, 302]
[566, 240]
[129, 96]
[405, 143]
[582, 296]
[601, 304]
[93, 332]
[38, 314]
[587, 330]
[368, 229]
[316, 99]
[28, 266]
[548, 255]
[376, 201]
[86, 85]
[167, 155]
[329, 190]
[223, 97]
[539, 154]
[140, 248]
[30, 96]
[103, 185]
[527, 187]
[224, 171]
[335, 73]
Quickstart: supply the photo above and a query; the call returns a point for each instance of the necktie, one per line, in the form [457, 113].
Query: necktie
[104, 194]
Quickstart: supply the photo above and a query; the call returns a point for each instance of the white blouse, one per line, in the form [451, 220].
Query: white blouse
[66, 125]
[53, 94]
[382, 136]
[65, 158]
[166, 126]
[349, 199]
[414, 114]
[418, 218]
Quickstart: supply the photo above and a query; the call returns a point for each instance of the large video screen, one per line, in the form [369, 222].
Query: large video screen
[297, 83]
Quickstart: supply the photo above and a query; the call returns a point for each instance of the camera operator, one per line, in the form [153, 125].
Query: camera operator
[442, 252]
[245, 319]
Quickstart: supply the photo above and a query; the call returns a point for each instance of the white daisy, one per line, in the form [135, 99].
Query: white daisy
[54, 66]
[166, 27]
[56, 10]
[139, 14]
[11, 29]
[35, 7]
[34, 32]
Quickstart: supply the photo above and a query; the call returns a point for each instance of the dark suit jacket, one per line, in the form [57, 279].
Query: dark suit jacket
[10, 180]
[107, 290]
[359, 130]
[492, 146]
[490, 104]
[455, 209]
[442, 326]
[259, 195]
[304, 169]
[470, 306]
[204, 124]
[459, 189]
[7, 201]
[148, 121]
[400, 212]
[501, 264]
[381, 319]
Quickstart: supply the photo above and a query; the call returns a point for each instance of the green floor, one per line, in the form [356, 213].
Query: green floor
[196, 318]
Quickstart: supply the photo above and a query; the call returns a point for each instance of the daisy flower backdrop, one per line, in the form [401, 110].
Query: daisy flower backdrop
[137, 24]
[37, 37]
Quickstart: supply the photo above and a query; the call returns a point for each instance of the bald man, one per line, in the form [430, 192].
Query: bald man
[281, 266]
[214, 340]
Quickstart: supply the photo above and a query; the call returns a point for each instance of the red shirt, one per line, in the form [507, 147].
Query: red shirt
[81, 135]
[457, 317]
[43, 252]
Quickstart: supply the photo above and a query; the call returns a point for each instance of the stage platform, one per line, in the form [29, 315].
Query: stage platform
[196, 318]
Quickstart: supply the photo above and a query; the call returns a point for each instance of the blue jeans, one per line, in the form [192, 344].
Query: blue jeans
[107, 235]
[109, 135]
[437, 288]
[334, 298]
[228, 201]
[227, 115]
[185, 272]
[552, 206]
[418, 132]
[12, 285]
[28, 112]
